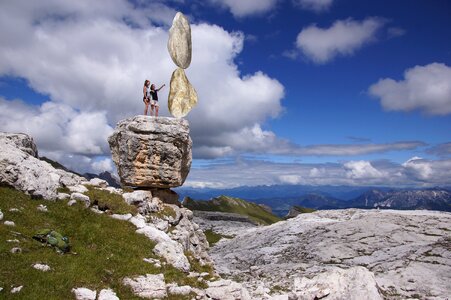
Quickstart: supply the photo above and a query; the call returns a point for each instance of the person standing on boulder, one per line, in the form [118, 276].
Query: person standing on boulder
[154, 101]
[146, 96]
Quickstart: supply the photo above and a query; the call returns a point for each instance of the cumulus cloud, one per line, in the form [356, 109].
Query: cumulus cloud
[361, 170]
[424, 88]
[314, 5]
[241, 8]
[419, 168]
[343, 38]
[102, 165]
[91, 60]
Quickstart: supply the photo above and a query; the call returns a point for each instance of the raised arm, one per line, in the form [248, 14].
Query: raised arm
[161, 87]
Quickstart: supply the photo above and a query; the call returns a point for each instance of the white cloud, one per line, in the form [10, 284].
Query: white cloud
[314, 5]
[91, 60]
[418, 168]
[425, 88]
[290, 179]
[361, 170]
[240, 8]
[344, 37]
[103, 165]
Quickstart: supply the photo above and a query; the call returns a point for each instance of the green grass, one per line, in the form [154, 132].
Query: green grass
[304, 210]
[111, 201]
[213, 237]
[104, 251]
[234, 205]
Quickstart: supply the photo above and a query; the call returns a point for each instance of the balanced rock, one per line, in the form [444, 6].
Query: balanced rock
[179, 43]
[152, 152]
[182, 95]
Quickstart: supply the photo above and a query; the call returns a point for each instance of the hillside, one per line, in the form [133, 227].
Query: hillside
[227, 204]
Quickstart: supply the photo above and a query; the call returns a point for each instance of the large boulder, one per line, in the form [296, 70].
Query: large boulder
[182, 95]
[179, 42]
[152, 152]
[20, 168]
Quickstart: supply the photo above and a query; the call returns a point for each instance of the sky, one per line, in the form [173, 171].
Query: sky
[315, 92]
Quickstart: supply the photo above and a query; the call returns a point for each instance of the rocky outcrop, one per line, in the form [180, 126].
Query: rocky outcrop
[152, 152]
[182, 95]
[20, 168]
[179, 42]
[407, 251]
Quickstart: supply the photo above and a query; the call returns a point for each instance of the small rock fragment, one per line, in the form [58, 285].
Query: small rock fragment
[42, 267]
[148, 286]
[16, 289]
[107, 294]
[125, 217]
[42, 208]
[16, 250]
[82, 198]
[71, 202]
[182, 95]
[78, 189]
[97, 182]
[9, 223]
[63, 196]
[14, 209]
[84, 294]
[179, 42]
[184, 290]
[1, 215]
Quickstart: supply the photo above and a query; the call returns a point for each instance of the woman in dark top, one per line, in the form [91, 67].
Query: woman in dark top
[154, 102]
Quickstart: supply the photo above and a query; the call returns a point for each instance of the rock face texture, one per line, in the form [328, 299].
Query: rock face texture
[182, 95]
[179, 43]
[407, 251]
[20, 168]
[152, 152]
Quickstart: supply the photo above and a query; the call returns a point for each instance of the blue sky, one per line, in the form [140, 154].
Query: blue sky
[296, 91]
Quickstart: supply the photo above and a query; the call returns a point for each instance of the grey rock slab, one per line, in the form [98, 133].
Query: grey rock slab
[396, 246]
[148, 286]
[152, 152]
[182, 95]
[179, 42]
[143, 200]
[227, 290]
[21, 141]
[81, 198]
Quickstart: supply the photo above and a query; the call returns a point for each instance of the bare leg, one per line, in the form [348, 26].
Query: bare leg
[145, 109]
[151, 109]
[156, 110]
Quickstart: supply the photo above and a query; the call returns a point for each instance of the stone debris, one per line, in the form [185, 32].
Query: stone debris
[143, 200]
[174, 289]
[13, 241]
[81, 197]
[152, 152]
[227, 290]
[97, 182]
[182, 95]
[179, 42]
[14, 209]
[42, 267]
[16, 289]
[95, 209]
[84, 294]
[153, 261]
[354, 284]
[78, 189]
[42, 208]
[9, 223]
[71, 202]
[107, 294]
[124, 217]
[20, 168]
[16, 250]
[63, 196]
[1, 215]
[148, 286]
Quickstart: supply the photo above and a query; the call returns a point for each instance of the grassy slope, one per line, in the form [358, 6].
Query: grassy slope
[303, 210]
[234, 205]
[104, 251]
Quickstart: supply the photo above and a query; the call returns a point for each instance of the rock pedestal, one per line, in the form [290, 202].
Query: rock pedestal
[152, 152]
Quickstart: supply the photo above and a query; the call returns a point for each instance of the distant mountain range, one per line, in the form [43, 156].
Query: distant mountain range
[282, 198]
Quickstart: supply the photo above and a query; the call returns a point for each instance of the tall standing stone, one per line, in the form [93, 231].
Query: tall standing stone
[152, 152]
[182, 95]
[179, 43]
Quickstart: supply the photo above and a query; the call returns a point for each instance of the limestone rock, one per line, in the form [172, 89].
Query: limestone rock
[148, 286]
[42, 208]
[227, 290]
[80, 188]
[182, 95]
[152, 152]
[143, 200]
[82, 198]
[179, 42]
[354, 284]
[174, 289]
[84, 294]
[41, 267]
[16, 289]
[21, 141]
[124, 217]
[1, 215]
[97, 182]
[9, 223]
[107, 294]
[21, 169]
